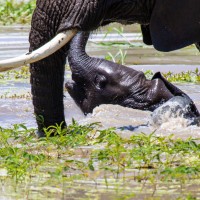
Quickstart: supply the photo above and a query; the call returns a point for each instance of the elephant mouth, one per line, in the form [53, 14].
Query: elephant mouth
[46, 50]
[69, 85]
[76, 91]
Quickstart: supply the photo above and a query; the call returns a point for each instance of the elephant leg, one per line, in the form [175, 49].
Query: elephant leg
[47, 78]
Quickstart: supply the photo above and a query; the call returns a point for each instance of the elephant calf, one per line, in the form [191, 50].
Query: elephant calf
[97, 81]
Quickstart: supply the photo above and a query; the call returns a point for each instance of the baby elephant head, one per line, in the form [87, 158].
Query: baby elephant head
[97, 81]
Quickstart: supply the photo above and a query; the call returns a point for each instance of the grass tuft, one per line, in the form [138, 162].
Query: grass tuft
[16, 12]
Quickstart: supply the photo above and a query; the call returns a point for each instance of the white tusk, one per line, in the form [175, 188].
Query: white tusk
[49, 48]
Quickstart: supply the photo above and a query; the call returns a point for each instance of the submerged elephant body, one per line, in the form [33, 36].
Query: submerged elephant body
[97, 81]
[168, 25]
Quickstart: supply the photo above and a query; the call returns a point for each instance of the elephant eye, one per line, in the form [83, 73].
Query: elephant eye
[100, 81]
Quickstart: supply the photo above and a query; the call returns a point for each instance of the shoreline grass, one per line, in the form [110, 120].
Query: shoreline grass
[16, 12]
[88, 154]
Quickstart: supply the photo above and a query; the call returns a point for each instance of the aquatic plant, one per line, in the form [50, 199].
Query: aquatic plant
[119, 57]
[182, 77]
[17, 12]
[21, 73]
[120, 31]
[189, 76]
[88, 153]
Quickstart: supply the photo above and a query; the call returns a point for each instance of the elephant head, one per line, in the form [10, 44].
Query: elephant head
[167, 25]
[97, 81]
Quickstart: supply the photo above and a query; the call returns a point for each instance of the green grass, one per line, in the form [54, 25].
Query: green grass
[182, 77]
[13, 12]
[18, 74]
[119, 57]
[120, 32]
[88, 153]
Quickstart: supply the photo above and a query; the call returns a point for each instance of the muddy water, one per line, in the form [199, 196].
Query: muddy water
[16, 106]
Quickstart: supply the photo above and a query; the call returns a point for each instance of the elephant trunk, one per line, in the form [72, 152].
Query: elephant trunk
[80, 63]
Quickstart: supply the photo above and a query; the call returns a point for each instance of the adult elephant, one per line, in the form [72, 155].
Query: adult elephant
[166, 24]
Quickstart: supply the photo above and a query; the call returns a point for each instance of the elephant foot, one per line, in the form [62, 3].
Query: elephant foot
[59, 129]
[40, 134]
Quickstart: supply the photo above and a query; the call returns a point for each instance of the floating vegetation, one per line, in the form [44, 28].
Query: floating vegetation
[13, 96]
[182, 77]
[83, 154]
[18, 74]
[16, 12]
[189, 76]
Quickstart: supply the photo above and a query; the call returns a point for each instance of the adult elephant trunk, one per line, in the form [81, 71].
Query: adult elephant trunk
[47, 76]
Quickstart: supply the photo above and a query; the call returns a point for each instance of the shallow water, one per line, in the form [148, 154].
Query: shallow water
[16, 107]
[14, 41]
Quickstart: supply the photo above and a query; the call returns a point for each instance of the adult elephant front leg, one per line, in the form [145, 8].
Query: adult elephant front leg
[47, 78]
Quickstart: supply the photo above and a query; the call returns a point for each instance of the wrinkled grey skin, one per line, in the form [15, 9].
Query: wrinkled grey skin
[168, 25]
[98, 81]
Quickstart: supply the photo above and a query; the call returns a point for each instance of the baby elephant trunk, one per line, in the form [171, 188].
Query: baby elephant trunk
[80, 63]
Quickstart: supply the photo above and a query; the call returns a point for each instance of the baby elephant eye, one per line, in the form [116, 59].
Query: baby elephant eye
[100, 81]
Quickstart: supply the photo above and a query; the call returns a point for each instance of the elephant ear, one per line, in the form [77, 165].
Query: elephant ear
[172, 88]
[175, 24]
[176, 92]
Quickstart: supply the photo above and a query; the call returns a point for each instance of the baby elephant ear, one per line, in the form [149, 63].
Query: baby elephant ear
[175, 24]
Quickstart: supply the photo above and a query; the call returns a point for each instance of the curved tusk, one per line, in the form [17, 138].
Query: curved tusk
[49, 48]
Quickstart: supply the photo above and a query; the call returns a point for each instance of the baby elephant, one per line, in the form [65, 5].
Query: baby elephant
[98, 81]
